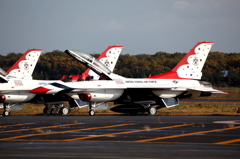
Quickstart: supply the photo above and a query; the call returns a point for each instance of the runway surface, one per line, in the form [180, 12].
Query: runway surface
[120, 136]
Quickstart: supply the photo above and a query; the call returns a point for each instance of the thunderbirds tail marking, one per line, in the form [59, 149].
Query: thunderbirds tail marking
[109, 58]
[24, 67]
[190, 67]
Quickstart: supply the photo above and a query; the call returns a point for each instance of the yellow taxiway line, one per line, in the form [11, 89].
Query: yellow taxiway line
[189, 134]
[126, 132]
[44, 127]
[228, 142]
[59, 132]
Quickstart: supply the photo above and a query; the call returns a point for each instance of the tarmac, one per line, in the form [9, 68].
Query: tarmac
[120, 136]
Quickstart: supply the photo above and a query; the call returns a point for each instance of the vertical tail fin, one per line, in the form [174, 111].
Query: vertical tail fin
[25, 66]
[190, 67]
[109, 58]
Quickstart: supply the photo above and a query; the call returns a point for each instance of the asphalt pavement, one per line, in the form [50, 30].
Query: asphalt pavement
[120, 136]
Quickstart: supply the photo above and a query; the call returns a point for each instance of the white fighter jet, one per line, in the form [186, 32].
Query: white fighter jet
[10, 81]
[54, 102]
[139, 94]
[17, 81]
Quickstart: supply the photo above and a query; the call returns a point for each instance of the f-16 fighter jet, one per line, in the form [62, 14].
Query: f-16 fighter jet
[139, 94]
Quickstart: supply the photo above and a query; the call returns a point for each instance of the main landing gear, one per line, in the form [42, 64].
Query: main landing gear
[92, 107]
[91, 112]
[97, 106]
[11, 106]
[7, 109]
[55, 109]
[6, 113]
[152, 110]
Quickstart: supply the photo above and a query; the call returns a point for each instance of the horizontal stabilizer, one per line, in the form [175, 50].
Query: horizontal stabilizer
[210, 90]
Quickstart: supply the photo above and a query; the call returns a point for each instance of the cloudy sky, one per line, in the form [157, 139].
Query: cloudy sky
[141, 26]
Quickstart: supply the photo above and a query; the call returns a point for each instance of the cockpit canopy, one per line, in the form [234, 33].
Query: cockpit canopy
[88, 61]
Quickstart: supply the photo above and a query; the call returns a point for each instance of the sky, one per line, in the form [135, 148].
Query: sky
[141, 26]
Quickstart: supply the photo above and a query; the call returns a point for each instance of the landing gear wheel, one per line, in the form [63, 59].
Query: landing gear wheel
[91, 112]
[47, 111]
[6, 113]
[64, 111]
[152, 111]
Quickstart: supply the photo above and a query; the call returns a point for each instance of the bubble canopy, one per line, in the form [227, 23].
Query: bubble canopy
[88, 61]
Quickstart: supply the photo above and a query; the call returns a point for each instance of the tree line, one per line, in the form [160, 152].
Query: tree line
[53, 65]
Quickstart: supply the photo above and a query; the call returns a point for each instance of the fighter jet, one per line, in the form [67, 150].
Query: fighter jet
[139, 94]
[54, 102]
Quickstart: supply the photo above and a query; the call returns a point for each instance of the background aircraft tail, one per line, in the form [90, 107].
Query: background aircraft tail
[190, 67]
[109, 58]
[25, 66]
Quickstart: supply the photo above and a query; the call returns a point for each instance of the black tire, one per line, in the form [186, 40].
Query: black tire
[6, 113]
[64, 110]
[152, 110]
[91, 112]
